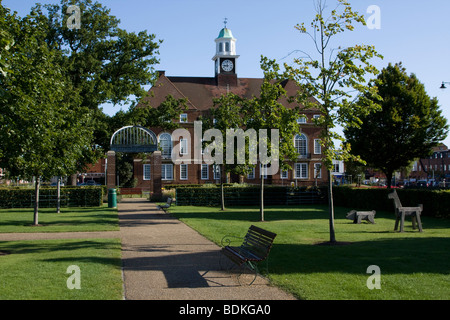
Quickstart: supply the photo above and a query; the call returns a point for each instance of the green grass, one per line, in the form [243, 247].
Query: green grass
[413, 265]
[37, 270]
[69, 220]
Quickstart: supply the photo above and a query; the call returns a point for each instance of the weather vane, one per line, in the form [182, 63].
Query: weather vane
[225, 22]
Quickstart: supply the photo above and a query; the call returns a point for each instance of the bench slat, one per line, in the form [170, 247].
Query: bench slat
[255, 247]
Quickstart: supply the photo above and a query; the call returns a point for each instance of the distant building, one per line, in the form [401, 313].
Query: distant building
[199, 92]
[435, 167]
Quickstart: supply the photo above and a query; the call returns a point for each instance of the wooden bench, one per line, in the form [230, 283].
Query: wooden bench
[401, 212]
[357, 216]
[166, 206]
[255, 248]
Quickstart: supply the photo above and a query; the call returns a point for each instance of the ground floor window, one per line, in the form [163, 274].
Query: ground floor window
[301, 171]
[216, 169]
[183, 171]
[263, 170]
[251, 175]
[146, 171]
[318, 170]
[205, 172]
[167, 171]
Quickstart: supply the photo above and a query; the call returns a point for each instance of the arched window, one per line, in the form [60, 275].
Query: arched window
[227, 47]
[301, 143]
[220, 47]
[165, 143]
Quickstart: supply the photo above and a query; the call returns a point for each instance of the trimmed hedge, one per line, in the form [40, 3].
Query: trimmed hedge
[436, 203]
[70, 197]
[248, 196]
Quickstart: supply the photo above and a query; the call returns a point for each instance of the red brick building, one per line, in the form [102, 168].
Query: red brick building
[435, 167]
[199, 92]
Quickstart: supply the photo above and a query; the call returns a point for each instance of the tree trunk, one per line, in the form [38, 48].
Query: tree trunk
[58, 195]
[222, 195]
[389, 179]
[36, 201]
[261, 208]
[331, 207]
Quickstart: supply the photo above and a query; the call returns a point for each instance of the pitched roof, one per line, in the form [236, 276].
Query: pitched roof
[200, 91]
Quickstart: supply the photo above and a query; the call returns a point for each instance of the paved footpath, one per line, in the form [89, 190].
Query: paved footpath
[163, 259]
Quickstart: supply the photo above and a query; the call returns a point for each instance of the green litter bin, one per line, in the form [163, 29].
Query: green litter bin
[112, 198]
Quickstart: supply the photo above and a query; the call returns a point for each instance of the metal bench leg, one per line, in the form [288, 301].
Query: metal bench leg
[251, 267]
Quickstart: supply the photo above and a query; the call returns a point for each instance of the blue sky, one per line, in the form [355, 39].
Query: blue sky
[417, 33]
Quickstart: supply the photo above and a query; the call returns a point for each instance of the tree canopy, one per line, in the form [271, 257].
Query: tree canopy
[44, 130]
[408, 126]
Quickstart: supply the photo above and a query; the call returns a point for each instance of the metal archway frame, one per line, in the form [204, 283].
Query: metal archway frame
[134, 139]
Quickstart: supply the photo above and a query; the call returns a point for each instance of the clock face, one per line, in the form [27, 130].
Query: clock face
[227, 65]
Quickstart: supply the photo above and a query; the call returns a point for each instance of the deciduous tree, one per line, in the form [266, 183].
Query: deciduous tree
[334, 75]
[268, 112]
[44, 131]
[408, 125]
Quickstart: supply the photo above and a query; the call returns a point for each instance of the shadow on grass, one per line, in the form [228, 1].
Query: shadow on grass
[243, 213]
[50, 246]
[297, 213]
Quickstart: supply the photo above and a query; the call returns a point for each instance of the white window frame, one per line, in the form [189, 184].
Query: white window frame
[185, 166]
[284, 174]
[301, 170]
[166, 147]
[166, 168]
[251, 175]
[184, 146]
[317, 146]
[207, 172]
[302, 138]
[216, 169]
[302, 119]
[146, 169]
[183, 118]
[317, 173]
[336, 167]
[263, 170]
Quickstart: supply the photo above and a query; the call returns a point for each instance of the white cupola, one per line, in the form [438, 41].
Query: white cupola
[225, 57]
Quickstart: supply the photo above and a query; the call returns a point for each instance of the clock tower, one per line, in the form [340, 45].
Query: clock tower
[225, 58]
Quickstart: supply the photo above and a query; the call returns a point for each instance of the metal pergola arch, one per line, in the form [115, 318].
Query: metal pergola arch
[134, 139]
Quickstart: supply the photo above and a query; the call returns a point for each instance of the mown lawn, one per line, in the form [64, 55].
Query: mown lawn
[413, 265]
[69, 220]
[37, 270]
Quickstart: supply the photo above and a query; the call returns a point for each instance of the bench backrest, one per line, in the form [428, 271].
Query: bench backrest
[394, 196]
[258, 241]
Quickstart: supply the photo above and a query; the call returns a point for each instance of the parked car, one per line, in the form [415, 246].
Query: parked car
[91, 183]
[422, 183]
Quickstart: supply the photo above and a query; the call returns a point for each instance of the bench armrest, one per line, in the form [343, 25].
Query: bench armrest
[228, 239]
